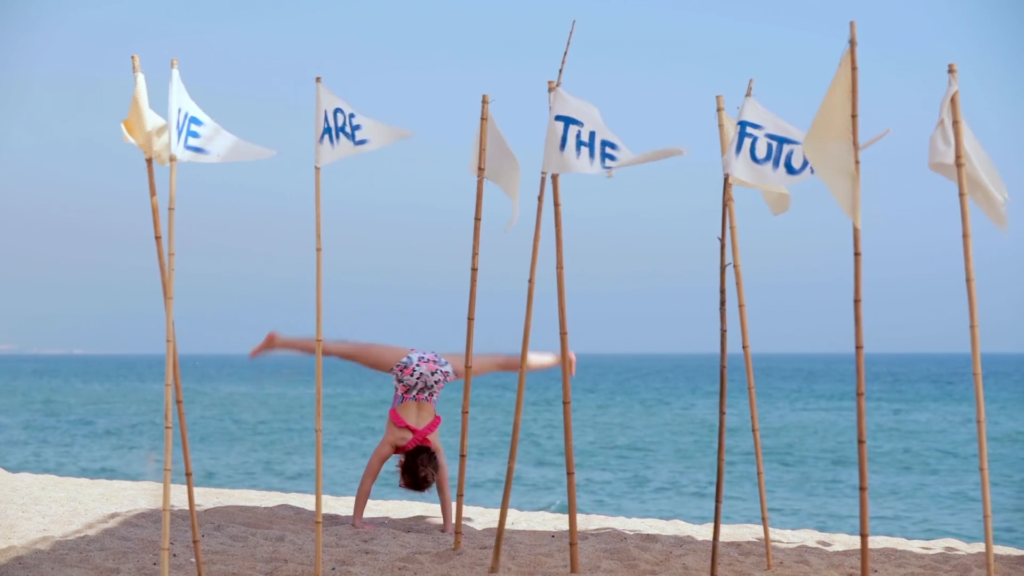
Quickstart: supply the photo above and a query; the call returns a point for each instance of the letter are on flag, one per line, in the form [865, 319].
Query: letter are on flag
[145, 128]
[765, 153]
[578, 140]
[501, 166]
[197, 138]
[341, 131]
[829, 142]
[984, 185]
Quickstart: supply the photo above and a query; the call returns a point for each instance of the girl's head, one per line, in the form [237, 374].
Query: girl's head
[418, 469]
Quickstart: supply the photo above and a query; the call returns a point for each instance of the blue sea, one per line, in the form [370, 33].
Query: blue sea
[645, 432]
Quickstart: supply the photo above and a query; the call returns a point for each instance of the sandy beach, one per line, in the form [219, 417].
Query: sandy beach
[74, 526]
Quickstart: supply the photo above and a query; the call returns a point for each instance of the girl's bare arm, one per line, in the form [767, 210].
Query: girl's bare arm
[380, 455]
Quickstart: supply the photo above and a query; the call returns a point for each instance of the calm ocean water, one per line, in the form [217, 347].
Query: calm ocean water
[644, 430]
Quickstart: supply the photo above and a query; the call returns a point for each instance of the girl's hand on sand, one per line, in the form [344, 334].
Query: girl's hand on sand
[448, 529]
[268, 344]
[362, 525]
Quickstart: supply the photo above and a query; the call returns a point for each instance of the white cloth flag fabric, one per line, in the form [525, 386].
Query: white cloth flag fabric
[197, 138]
[578, 141]
[984, 185]
[145, 128]
[342, 132]
[765, 153]
[501, 166]
[829, 142]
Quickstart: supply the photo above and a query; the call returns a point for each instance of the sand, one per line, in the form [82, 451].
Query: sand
[74, 526]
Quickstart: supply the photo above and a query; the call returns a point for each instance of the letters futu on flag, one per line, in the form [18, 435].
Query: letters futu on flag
[984, 185]
[501, 166]
[195, 137]
[341, 131]
[829, 142]
[578, 140]
[144, 127]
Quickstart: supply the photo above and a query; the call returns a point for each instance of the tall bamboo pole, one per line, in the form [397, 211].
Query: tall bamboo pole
[158, 237]
[318, 519]
[972, 305]
[481, 169]
[563, 323]
[723, 347]
[862, 427]
[747, 360]
[165, 546]
[506, 497]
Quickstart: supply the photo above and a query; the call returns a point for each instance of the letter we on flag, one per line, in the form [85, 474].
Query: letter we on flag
[342, 132]
[501, 166]
[765, 153]
[145, 128]
[578, 140]
[195, 137]
[984, 185]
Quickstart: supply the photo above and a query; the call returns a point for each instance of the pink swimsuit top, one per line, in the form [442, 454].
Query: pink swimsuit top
[419, 435]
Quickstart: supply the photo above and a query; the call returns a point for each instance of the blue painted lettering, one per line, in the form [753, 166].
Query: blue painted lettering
[327, 131]
[606, 155]
[340, 131]
[588, 141]
[776, 148]
[186, 125]
[353, 127]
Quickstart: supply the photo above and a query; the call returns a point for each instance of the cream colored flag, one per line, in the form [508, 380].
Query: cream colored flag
[501, 167]
[829, 142]
[145, 128]
[984, 185]
[776, 197]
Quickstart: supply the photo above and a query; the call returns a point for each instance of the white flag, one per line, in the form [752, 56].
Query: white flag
[829, 142]
[197, 138]
[144, 127]
[765, 154]
[501, 166]
[578, 141]
[341, 131]
[983, 183]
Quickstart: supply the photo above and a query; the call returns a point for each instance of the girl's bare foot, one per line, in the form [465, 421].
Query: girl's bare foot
[268, 344]
[572, 363]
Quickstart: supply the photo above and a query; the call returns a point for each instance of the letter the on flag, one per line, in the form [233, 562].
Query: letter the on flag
[145, 128]
[984, 185]
[501, 167]
[341, 131]
[578, 140]
[829, 142]
[768, 157]
[197, 138]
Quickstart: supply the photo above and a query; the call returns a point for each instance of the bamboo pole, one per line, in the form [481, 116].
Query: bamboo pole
[158, 237]
[747, 360]
[165, 545]
[862, 427]
[506, 497]
[570, 467]
[723, 347]
[471, 320]
[318, 519]
[517, 419]
[979, 390]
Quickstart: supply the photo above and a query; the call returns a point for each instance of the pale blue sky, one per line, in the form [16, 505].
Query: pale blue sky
[77, 262]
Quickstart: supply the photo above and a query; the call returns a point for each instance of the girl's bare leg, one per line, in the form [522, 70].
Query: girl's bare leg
[379, 357]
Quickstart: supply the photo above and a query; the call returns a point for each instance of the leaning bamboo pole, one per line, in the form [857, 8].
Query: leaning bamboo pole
[481, 169]
[972, 305]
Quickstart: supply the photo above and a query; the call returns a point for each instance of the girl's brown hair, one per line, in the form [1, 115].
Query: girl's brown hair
[419, 469]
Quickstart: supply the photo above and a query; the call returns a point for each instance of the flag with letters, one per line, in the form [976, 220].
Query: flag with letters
[578, 140]
[145, 128]
[197, 138]
[500, 166]
[342, 132]
[984, 185]
[765, 154]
